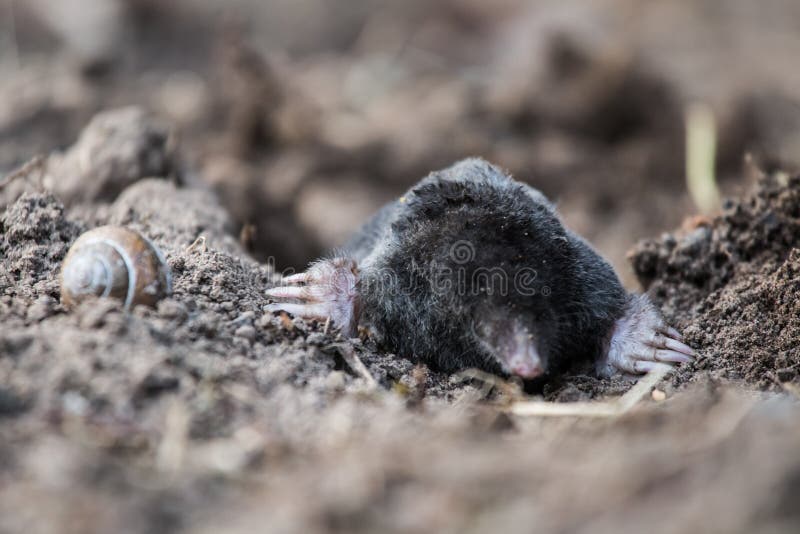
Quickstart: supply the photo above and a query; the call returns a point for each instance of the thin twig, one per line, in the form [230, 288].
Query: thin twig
[198, 244]
[490, 381]
[611, 408]
[36, 163]
[355, 363]
[701, 148]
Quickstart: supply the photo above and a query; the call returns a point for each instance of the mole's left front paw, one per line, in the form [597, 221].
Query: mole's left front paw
[328, 290]
[641, 340]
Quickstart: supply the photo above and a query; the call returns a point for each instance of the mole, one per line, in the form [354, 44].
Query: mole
[473, 269]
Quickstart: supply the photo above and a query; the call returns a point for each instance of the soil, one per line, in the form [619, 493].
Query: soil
[243, 151]
[731, 282]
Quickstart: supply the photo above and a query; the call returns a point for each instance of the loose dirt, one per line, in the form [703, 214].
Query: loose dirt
[271, 135]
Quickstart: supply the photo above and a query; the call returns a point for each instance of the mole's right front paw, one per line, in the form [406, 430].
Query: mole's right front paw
[641, 340]
[325, 291]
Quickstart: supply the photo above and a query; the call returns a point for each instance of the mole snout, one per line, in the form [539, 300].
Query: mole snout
[527, 369]
[513, 346]
[399, 277]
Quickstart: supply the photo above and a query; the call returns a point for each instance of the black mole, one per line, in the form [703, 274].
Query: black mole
[471, 268]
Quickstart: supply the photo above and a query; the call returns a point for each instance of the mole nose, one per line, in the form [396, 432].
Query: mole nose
[513, 346]
[527, 370]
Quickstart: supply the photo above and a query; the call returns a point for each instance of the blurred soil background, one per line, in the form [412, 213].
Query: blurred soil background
[305, 116]
[273, 129]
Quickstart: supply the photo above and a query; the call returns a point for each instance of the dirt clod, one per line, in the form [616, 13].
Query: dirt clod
[115, 150]
[732, 285]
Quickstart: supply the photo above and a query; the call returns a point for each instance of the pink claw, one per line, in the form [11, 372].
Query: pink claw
[298, 278]
[310, 311]
[330, 292]
[677, 346]
[671, 332]
[641, 339]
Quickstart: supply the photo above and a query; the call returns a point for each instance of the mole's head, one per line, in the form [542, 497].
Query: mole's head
[497, 265]
[508, 284]
[514, 322]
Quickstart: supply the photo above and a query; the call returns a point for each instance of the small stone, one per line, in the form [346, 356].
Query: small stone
[658, 395]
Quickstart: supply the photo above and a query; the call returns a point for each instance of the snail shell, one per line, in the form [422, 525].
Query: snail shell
[112, 261]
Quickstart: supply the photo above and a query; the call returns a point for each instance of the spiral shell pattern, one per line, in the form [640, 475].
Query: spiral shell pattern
[117, 262]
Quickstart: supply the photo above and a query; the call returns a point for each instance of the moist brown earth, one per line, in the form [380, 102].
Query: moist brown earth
[209, 414]
[731, 283]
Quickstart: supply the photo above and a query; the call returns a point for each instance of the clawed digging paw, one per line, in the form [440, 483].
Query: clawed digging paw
[326, 291]
[641, 341]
